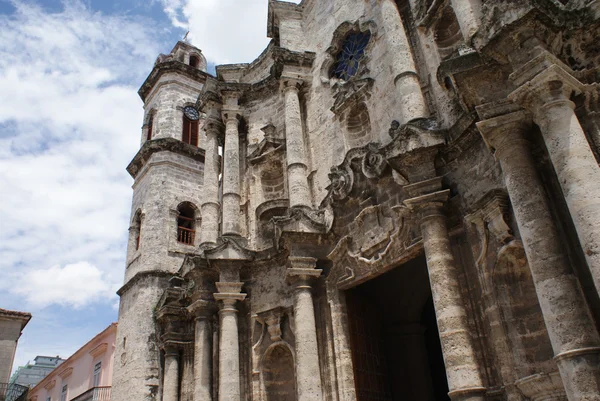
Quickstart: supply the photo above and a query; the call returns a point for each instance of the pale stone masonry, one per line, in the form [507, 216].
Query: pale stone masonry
[397, 200]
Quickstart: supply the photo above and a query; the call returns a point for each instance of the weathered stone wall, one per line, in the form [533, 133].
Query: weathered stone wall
[166, 181]
[136, 374]
[166, 101]
[368, 199]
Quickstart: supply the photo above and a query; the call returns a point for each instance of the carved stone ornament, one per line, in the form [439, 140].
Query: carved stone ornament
[342, 181]
[347, 94]
[380, 239]
[373, 163]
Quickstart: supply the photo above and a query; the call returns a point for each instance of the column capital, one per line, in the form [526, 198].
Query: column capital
[302, 262]
[302, 271]
[229, 293]
[542, 81]
[230, 113]
[291, 83]
[213, 126]
[502, 132]
[201, 309]
[429, 205]
[171, 348]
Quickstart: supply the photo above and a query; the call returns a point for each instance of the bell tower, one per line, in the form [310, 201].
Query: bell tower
[168, 173]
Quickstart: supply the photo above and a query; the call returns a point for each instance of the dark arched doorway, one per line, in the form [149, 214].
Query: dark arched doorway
[396, 351]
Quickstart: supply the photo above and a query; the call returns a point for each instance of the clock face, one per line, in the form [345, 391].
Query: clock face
[191, 113]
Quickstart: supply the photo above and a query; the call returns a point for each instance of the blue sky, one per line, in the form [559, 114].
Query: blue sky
[70, 123]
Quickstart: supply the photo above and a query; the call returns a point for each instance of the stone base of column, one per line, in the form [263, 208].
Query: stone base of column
[580, 368]
[468, 394]
[542, 387]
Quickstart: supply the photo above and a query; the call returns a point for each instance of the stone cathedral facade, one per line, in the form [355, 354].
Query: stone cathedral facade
[397, 200]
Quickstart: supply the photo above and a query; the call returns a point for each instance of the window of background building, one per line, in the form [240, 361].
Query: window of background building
[97, 370]
[63, 393]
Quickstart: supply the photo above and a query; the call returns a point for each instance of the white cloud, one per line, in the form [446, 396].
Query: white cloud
[227, 31]
[74, 285]
[70, 122]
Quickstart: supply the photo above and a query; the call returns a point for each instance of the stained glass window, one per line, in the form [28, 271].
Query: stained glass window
[348, 60]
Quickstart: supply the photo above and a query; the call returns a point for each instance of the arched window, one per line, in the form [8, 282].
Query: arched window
[136, 229]
[190, 125]
[347, 62]
[186, 221]
[150, 124]
[194, 61]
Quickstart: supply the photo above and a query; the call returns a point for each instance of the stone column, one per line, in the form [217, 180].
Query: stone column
[171, 375]
[308, 373]
[468, 15]
[202, 312]
[229, 347]
[408, 88]
[547, 97]
[210, 189]
[231, 173]
[297, 169]
[571, 329]
[464, 379]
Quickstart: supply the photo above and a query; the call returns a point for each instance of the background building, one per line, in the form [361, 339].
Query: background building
[397, 200]
[12, 324]
[31, 374]
[85, 375]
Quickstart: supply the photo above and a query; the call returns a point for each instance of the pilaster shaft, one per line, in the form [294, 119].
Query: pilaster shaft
[171, 375]
[297, 169]
[464, 379]
[231, 175]
[570, 327]
[308, 373]
[210, 189]
[547, 97]
[202, 350]
[408, 89]
[229, 348]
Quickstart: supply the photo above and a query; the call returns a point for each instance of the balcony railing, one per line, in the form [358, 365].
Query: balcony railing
[186, 235]
[13, 392]
[94, 394]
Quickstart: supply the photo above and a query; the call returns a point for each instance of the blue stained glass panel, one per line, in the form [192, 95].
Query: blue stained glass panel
[348, 60]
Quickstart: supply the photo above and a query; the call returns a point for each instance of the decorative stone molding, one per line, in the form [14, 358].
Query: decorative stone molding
[50, 385]
[66, 373]
[390, 241]
[348, 94]
[99, 350]
[410, 154]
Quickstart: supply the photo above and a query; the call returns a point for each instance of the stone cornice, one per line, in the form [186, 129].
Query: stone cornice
[170, 66]
[139, 277]
[162, 145]
[281, 9]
